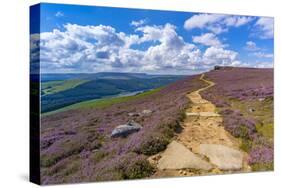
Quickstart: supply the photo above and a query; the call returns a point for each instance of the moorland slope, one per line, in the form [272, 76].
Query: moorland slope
[237, 106]
[76, 144]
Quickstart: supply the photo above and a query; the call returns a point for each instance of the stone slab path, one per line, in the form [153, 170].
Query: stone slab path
[177, 156]
[203, 146]
[225, 158]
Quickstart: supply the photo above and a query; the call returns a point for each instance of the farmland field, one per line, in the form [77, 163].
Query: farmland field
[52, 87]
[105, 102]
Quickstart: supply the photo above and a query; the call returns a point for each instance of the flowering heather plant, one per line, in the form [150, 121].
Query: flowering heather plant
[262, 157]
[239, 126]
[219, 101]
[245, 85]
[102, 157]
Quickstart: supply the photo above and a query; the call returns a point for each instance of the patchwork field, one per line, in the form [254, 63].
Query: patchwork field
[52, 87]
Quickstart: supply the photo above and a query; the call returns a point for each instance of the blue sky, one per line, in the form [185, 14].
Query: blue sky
[77, 38]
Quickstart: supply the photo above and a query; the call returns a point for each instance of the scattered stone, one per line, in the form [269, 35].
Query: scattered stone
[133, 114]
[125, 130]
[146, 112]
[177, 156]
[143, 113]
[209, 114]
[251, 110]
[192, 114]
[203, 114]
[261, 99]
[216, 171]
[223, 157]
[153, 159]
[156, 157]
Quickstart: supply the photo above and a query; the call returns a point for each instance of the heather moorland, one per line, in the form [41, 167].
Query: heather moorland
[244, 96]
[77, 144]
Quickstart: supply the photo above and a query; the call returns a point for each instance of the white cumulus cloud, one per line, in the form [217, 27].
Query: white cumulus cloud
[220, 56]
[263, 55]
[251, 46]
[264, 64]
[237, 21]
[202, 20]
[207, 39]
[98, 48]
[59, 14]
[139, 22]
[265, 28]
[217, 23]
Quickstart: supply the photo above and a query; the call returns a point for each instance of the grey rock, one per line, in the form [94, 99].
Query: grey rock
[251, 110]
[143, 113]
[223, 157]
[133, 114]
[126, 129]
[177, 156]
[146, 112]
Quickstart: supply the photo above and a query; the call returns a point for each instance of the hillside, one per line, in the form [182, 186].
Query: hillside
[76, 143]
[232, 107]
[244, 96]
[61, 90]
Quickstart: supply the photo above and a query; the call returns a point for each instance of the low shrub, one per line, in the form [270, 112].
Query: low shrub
[153, 145]
[63, 149]
[98, 156]
[262, 166]
[238, 125]
[261, 158]
[137, 169]
[246, 145]
[127, 166]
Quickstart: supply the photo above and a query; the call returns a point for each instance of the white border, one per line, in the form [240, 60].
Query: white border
[14, 90]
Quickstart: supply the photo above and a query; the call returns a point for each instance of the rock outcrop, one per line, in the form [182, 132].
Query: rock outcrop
[126, 129]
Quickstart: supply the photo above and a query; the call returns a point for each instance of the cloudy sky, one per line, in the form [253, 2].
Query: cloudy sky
[75, 39]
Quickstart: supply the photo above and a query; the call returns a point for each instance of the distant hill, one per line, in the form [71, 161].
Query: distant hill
[92, 76]
[60, 90]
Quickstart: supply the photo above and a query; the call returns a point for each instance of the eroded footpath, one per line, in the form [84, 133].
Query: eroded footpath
[203, 146]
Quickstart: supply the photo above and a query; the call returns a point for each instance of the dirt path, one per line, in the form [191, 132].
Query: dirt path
[203, 146]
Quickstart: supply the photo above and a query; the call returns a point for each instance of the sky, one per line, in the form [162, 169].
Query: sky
[90, 39]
